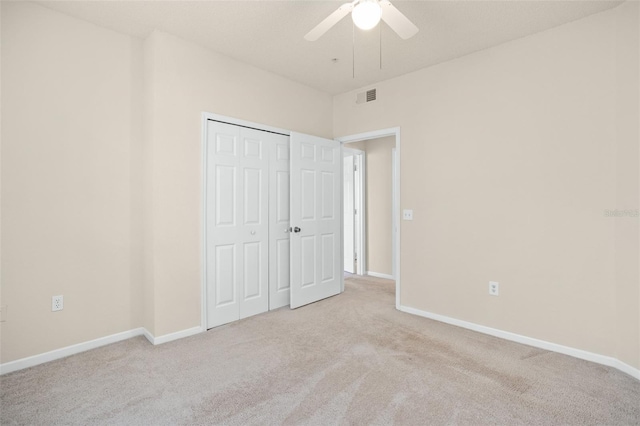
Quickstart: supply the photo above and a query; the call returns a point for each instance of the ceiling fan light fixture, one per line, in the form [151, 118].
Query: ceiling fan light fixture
[366, 14]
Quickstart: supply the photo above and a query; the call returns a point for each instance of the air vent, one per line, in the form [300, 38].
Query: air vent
[368, 96]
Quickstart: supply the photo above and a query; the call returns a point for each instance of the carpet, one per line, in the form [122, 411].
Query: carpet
[350, 359]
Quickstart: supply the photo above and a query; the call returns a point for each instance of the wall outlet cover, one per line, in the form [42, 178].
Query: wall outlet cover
[494, 288]
[57, 303]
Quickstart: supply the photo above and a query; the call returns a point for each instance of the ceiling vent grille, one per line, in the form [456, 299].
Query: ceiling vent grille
[364, 97]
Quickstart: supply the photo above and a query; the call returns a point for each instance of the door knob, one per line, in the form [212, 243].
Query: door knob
[296, 229]
[253, 232]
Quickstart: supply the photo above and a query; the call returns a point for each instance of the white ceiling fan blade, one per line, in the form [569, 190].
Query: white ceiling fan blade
[397, 21]
[329, 22]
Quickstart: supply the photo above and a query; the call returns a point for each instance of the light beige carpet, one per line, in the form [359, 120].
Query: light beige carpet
[350, 359]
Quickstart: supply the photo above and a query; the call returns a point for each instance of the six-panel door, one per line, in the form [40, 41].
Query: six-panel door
[237, 223]
[315, 204]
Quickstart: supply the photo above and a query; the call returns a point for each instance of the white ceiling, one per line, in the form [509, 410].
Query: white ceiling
[269, 34]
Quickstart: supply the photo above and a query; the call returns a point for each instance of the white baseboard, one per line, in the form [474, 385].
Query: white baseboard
[172, 336]
[553, 347]
[626, 368]
[34, 360]
[31, 361]
[379, 275]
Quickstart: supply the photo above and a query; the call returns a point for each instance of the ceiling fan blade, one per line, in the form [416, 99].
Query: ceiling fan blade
[329, 22]
[397, 21]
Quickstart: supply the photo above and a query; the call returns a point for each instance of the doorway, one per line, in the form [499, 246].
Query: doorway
[389, 242]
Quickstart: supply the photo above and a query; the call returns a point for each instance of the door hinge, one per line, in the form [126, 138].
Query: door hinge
[355, 168]
[355, 211]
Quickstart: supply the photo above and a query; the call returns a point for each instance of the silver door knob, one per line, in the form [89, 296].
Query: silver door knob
[253, 232]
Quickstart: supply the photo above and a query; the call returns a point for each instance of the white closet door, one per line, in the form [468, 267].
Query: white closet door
[254, 231]
[316, 210]
[237, 223]
[279, 222]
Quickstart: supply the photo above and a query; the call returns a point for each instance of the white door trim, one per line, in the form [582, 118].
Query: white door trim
[392, 131]
[394, 210]
[361, 204]
[206, 116]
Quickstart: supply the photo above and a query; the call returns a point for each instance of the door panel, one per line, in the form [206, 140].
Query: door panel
[282, 268]
[316, 249]
[226, 143]
[225, 195]
[308, 260]
[328, 195]
[254, 234]
[252, 195]
[237, 223]
[225, 274]
[252, 265]
[328, 253]
[279, 222]
[224, 257]
[281, 214]
[308, 195]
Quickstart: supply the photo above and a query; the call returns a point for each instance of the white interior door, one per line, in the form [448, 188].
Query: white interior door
[349, 213]
[279, 222]
[237, 223]
[315, 204]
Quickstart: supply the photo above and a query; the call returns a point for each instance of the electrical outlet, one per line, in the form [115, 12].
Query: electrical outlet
[57, 303]
[494, 288]
[407, 214]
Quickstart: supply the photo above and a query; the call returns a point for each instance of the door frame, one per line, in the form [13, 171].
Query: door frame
[206, 116]
[394, 209]
[376, 134]
[360, 243]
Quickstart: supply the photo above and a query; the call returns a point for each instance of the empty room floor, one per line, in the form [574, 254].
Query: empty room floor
[349, 359]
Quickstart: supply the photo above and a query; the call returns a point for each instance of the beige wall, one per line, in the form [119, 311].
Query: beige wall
[509, 159]
[379, 205]
[188, 80]
[101, 173]
[70, 185]
[628, 185]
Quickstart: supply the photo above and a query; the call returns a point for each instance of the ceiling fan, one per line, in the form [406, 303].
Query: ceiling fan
[366, 14]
